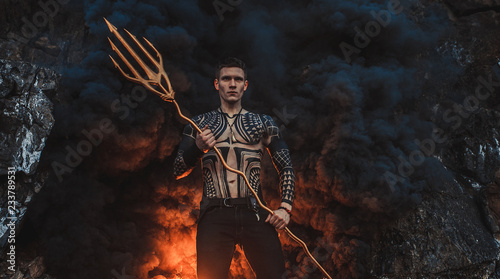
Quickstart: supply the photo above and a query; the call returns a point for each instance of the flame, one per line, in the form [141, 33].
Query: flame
[174, 243]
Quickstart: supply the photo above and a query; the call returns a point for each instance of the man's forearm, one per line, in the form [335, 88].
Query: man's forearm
[186, 161]
[287, 183]
[187, 156]
[283, 164]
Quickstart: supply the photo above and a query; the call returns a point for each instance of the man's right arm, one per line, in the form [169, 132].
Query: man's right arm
[188, 155]
[191, 149]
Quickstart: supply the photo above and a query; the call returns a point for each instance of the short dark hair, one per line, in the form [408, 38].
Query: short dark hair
[230, 62]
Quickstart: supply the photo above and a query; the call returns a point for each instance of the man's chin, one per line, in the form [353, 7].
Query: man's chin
[232, 100]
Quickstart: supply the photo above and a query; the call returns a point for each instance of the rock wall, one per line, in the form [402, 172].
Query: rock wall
[454, 232]
[446, 237]
[27, 92]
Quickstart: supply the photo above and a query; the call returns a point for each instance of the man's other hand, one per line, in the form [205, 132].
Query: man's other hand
[205, 140]
[279, 219]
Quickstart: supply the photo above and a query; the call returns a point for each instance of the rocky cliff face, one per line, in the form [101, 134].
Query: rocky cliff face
[26, 108]
[26, 96]
[452, 233]
[448, 236]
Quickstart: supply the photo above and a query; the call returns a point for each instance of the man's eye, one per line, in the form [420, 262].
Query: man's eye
[226, 78]
[238, 79]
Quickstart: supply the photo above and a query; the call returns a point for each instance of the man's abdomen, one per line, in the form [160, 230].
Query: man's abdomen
[221, 183]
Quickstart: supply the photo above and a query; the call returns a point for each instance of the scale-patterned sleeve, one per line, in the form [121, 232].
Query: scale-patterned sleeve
[281, 158]
[188, 155]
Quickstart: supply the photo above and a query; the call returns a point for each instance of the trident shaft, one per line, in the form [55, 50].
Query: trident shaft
[159, 83]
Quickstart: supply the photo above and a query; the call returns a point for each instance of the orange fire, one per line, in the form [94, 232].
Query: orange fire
[174, 242]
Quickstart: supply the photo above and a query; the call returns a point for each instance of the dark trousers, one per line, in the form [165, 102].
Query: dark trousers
[221, 228]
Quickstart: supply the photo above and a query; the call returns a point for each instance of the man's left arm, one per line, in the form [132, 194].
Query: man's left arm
[282, 162]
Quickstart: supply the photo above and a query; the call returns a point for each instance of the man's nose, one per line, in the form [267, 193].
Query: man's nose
[232, 83]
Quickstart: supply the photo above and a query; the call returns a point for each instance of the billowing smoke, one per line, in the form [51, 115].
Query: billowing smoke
[344, 79]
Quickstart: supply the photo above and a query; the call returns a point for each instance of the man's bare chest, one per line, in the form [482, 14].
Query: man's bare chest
[243, 130]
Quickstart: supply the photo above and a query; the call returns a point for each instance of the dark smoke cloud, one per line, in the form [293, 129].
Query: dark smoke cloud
[353, 123]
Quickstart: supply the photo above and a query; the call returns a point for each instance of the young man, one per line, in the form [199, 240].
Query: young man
[229, 214]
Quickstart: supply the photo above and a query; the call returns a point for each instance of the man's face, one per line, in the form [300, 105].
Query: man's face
[231, 84]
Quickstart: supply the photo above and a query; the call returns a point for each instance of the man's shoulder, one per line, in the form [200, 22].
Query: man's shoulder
[200, 120]
[206, 115]
[265, 121]
[260, 116]
[264, 118]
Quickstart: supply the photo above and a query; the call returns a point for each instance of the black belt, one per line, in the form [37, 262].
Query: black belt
[207, 203]
[230, 202]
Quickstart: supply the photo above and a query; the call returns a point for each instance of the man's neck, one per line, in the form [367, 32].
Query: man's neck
[231, 109]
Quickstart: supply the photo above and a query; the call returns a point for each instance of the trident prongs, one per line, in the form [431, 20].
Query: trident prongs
[154, 79]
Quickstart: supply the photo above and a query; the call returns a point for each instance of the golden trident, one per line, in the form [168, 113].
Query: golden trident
[154, 82]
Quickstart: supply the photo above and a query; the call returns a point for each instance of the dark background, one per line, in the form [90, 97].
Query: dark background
[367, 202]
